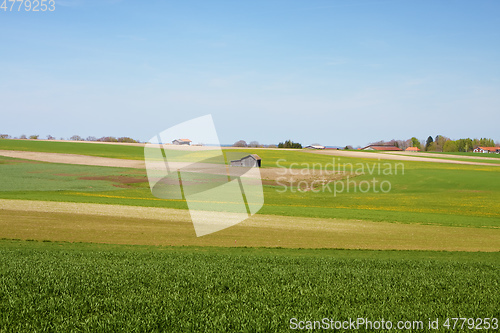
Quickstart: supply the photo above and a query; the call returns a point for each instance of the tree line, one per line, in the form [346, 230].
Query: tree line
[441, 143]
[124, 139]
[256, 144]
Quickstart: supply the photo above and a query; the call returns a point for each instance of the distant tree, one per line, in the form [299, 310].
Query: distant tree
[23, 137]
[432, 147]
[415, 142]
[50, 137]
[107, 139]
[34, 137]
[428, 142]
[289, 144]
[271, 146]
[486, 142]
[254, 144]
[450, 146]
[4, 136]
[403, 144]
[91, 138]
[76, 138]
[440, 141]
[126, 140]
[497, 143]
[240, 143]
[465, 145]
[348, 147]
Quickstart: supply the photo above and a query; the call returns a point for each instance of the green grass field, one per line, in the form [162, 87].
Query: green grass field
[429, 193]
[81, 148]
[62, 286]
[478, 158]
[466, 154]
[90, 287]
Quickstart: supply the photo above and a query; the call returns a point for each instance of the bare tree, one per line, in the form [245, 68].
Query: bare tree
[23, 137]
[440, 141]
[254, 144]
[108, 139]
[240, 143]
[422, 144]
[50, 137]
[76, 138]
[4, 136]
[403, 144]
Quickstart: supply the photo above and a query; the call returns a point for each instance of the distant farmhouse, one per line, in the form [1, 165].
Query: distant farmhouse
[412, 149]
[382, 148]
[315, 147]
[252, 160]
[487, 150]
[182, 142]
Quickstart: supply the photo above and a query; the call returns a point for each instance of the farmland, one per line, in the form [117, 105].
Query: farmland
[90, 287]
[421, 192]
[89, 248]
[83, 148]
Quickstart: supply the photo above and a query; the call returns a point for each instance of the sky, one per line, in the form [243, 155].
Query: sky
[330, 72]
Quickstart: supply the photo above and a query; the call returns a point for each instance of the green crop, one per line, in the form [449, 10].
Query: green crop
[90, 287]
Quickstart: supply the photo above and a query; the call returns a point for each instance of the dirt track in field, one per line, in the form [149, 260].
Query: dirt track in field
[466, 157]
[74, 159]
[79, 222]
[398, 157]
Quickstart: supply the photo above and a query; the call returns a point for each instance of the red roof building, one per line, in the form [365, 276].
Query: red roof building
[487, 150]
[382, 148]
[181, 142]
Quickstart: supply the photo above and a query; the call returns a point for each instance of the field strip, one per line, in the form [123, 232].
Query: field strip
[138, 144]
[444, 156]
[398, 157]
[394, 208]
[74, 159]
[80, 222]
[139, 164]
[137, 212]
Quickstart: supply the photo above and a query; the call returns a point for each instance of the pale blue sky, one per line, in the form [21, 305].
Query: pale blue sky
[329, 72]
